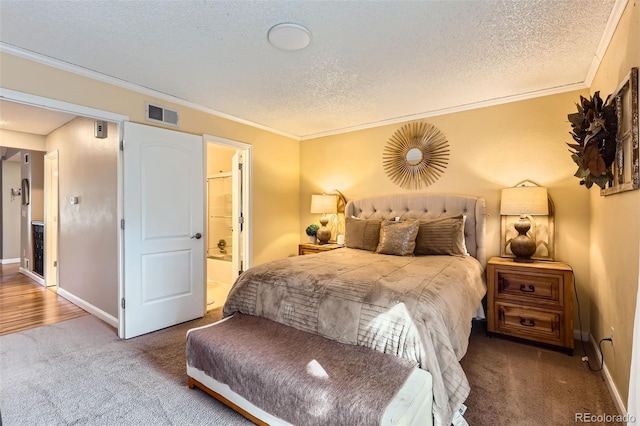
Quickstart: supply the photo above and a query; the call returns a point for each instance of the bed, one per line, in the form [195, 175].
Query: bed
[407, 284]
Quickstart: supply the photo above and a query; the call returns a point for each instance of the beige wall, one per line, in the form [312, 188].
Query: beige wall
[10, 211]
[37, 185]
[88, 231]
[615, 225]
[34, 172]
[275, 158]
[219, 158]
[491, 148]
[28, 141]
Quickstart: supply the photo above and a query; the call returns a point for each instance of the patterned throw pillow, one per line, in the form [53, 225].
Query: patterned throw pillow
[443, 235]
[362, 233]
[398, 238]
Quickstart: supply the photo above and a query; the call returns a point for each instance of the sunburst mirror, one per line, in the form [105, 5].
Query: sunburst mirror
[416, 155]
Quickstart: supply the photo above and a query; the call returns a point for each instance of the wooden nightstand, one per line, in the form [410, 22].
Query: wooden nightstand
[532, 301]
[309, 248]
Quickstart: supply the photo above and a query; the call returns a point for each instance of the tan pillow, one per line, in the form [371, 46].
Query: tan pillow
[443, 235]
[362, 233]
[398, 238]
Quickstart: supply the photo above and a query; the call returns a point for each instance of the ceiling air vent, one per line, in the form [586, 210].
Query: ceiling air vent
[159, 114]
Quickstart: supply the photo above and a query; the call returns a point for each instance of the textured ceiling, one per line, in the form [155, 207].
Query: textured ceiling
[368, 62]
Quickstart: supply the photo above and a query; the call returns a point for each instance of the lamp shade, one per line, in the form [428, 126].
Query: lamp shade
[524, 200]
[324, 204]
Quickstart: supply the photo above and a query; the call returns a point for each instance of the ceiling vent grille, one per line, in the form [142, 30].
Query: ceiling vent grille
[158, 114]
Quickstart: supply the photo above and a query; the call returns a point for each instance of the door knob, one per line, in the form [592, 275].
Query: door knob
[197, 236]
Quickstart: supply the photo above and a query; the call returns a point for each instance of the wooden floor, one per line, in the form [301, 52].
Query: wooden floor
[25, 304]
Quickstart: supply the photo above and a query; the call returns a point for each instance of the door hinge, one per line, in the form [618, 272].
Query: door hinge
[122, 303]
[121, 223]
[240, 165]
[241, 268]
[55, 263]
[122, 145]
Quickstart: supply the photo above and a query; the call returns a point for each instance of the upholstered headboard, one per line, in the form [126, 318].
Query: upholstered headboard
[428, 206]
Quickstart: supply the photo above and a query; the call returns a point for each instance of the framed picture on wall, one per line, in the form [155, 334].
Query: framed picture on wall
[626, 167]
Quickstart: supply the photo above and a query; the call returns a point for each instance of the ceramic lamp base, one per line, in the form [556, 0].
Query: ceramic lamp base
[323, 235]
[522, 246]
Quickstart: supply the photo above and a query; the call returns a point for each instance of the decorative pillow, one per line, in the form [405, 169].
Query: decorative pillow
[398, 238]
[443, 235]
[361, 233]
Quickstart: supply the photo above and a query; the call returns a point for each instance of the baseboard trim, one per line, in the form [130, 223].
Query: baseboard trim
[37, 278]
[613, 390]
[109, 319]
[584, 336]
[8, 261]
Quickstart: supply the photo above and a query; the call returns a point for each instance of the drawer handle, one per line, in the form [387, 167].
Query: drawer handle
[527, 322]
[529, 289]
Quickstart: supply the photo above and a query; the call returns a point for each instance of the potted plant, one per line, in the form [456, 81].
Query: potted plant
[311, 231]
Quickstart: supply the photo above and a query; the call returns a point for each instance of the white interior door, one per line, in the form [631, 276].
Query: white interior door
[163, 226]
[51, 219]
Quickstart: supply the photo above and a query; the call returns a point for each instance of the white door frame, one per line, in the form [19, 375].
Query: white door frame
[54, 104]
[247, 199]
[57, 105]
[51, 213]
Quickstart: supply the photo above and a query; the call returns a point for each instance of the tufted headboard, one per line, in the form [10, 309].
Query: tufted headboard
[429, 206]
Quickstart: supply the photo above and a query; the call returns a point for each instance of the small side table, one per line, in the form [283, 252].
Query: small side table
[532, 301]
[308, 248]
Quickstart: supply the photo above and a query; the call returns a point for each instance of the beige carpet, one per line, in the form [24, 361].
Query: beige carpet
[79, 372]
[522, 384]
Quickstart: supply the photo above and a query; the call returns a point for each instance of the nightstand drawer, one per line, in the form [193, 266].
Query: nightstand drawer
[304, 249]
[530, 287]
[529, 323]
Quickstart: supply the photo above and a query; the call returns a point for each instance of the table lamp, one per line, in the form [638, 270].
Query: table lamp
[524, 201]
[324, 204]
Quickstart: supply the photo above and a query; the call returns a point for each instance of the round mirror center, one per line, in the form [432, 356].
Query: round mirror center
[414, 156]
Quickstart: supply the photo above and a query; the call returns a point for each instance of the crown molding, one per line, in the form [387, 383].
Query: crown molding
[607, 35]
[459, 108]
[94, 75]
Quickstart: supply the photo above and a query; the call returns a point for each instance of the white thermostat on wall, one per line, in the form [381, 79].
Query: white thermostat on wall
[73, 200]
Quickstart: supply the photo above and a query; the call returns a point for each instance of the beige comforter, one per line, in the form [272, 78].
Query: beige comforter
[419, 308]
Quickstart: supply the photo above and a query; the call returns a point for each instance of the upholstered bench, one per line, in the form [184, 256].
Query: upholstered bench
[275, 374]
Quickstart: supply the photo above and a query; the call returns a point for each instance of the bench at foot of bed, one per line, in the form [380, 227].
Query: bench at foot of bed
[277, 375]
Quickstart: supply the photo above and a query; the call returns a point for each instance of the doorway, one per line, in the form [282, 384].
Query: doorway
[51, 219]
[227, 225]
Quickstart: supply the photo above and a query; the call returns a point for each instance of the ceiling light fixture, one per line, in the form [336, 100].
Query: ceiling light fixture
[288, 36]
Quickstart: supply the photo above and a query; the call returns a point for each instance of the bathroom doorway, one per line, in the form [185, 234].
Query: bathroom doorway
[226, 204]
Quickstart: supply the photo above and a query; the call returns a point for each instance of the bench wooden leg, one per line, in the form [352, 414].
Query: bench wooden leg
[193, 383]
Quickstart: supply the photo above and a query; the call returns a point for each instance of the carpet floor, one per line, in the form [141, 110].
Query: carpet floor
[79, 372]
[522, 384]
